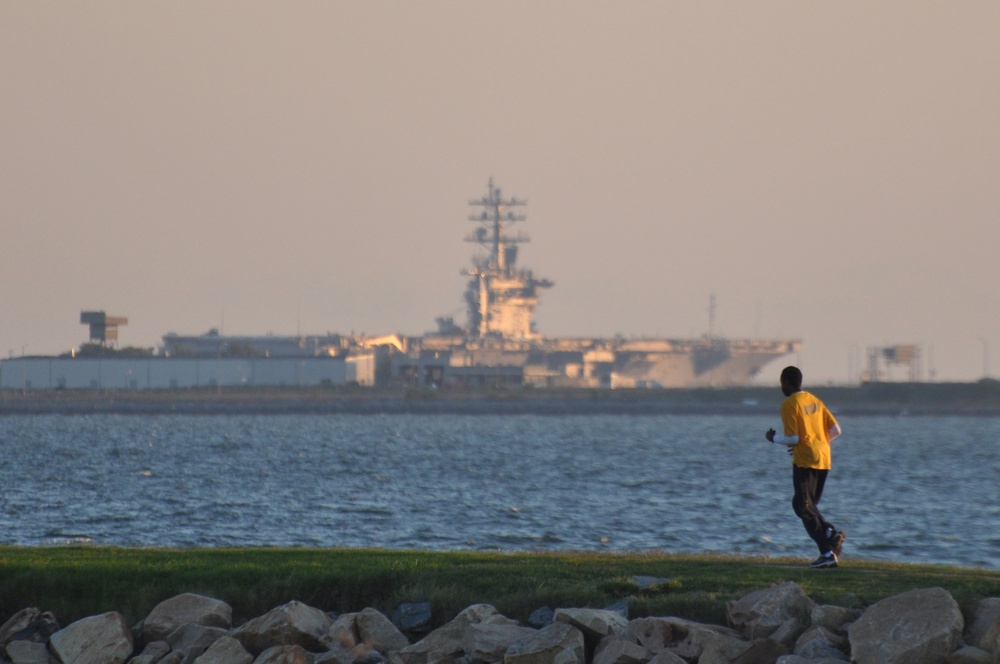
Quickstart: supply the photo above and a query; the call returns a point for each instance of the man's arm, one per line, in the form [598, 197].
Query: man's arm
[775, 437]
[833, 432]
[785, 440]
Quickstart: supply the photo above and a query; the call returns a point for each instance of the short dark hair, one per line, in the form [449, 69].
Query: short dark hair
[792, 376]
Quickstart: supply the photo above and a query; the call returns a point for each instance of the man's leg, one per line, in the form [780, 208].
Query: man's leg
[808, 484]
[834, 539]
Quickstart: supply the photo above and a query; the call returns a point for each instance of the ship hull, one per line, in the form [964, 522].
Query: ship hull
[591, 363]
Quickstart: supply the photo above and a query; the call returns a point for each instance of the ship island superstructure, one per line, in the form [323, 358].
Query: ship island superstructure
[501, 298]
[498, 346]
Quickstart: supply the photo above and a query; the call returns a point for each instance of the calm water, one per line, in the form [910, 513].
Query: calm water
[911, 489]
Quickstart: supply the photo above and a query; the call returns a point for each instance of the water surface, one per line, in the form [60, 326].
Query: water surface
[915, 489]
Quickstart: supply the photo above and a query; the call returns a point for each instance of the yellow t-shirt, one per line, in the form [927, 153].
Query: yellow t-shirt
[805, 416]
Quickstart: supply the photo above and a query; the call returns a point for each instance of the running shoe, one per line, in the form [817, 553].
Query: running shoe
[836, 542]
[828, 559]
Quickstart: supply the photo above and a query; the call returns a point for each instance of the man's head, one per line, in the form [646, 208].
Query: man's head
[791, 381]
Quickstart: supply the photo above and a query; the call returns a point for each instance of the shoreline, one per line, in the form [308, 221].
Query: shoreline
[981, 399]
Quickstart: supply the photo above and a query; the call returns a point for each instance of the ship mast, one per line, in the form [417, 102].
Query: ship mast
[501, 299]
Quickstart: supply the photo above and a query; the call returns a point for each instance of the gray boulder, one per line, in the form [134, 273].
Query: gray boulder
[559, 643]
[714, 646]
[294, 624]
[970, 655]
[762, 651]
[834, 618]
[780, 612]
[225, 650]
[799, 659]
[653, 634]
[29, 625]
[488, 641]
[152, 653]
[541, 617]
[343, 644]
[984, 627]
[27, 652]
[594, 623]
[614, 650]
[17, 622]
[101, 639]
[685, 638]
[183, 609]
[173, 658]
[667, 657]
[284, 655]
[819, 641]
[192, 640]
[413, 618]
[912, 628]
[363, 632]
[447, 640]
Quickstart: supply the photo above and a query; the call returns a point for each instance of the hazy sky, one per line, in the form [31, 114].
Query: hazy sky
[827, 171]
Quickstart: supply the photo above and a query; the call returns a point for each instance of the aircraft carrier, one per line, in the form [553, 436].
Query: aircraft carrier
[500, 329]
[499, 343]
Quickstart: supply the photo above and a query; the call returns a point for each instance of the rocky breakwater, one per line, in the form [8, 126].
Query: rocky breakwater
[779, 624]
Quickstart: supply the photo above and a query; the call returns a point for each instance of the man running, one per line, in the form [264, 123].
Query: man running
[809, 428]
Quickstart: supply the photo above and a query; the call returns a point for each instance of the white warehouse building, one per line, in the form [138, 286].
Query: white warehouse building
[146, 373]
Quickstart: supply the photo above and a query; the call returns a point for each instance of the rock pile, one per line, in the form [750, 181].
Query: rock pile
[779, 624]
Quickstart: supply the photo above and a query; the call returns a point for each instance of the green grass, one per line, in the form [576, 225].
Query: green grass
[76, 582]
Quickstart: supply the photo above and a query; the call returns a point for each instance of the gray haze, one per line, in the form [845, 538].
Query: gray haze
[826, 171]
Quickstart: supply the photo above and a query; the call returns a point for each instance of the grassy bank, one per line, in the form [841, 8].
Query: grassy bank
[75, 582]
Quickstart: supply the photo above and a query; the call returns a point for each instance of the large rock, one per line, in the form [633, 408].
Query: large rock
[363, 632]
[192, 640]
[29, 625]
[488, 641]
[613, 650]
[559, 643]
[187, 608]
[762, 651]
[225, 650]
[342, 641]
[152, 653]
[984, 628]
[916, 627]
[799, 659]
[667, 657]
[17, 622]
[294, 624]
[834, 618]
[27, 652]
[818, 639]
[378, 631]
[594, 623]
[446, 640]
[970, 655]
[714, 646]
[684, 638]
[102, 639]
[284, 655]
[413, 619]
[781, 612]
